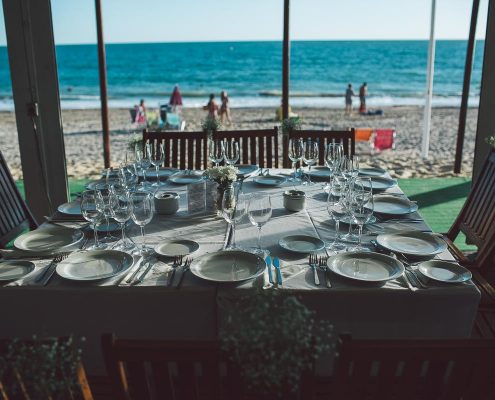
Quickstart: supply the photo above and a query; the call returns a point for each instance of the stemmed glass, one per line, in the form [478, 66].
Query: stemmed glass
[310, 156]
[216, 151]
[231, 152]
[333, 157]
[233, 209]
[295, 154]
[350, 167]
[157, 157]
[259, 212]
[91, 213]
[337, 210]
[121, 212]
[361, 207]
[142, 214]
[105, 207]
[143, 162]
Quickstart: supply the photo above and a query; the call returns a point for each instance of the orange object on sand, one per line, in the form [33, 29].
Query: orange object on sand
[363, 134]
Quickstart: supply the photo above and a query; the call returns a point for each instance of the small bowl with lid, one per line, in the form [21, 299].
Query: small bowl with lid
[294, 200]
[166, 202]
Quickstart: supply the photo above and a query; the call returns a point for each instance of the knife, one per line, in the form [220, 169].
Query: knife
[141, 262]
[268, 265]
[141, 278]
[276, 264]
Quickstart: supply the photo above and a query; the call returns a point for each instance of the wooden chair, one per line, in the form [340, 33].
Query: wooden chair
[184, 150]
[346, 137]
[15, 215]
[477, 221]
[257, 147]
[414, 369]
[145, 369]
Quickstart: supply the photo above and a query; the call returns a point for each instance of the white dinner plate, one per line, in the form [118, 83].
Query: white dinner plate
[94, 265]
[366, 266]
[246, 170]
[50, 239]
[182, 178]
[301, 244]
[72, 208]
[372, 171]
[15, 269]
[319, 172]
[228, 266]
[176, 247]
[444, 271]
[92, 185]
[393, 205]
[413, 243]
[380, 183]
[269, 180]
[162, 173]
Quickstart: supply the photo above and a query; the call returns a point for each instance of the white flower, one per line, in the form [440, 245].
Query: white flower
[222, 174]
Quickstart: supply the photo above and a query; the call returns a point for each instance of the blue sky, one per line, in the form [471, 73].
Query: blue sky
[225, 20]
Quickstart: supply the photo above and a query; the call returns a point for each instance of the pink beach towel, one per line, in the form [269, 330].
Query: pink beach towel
[384, 139]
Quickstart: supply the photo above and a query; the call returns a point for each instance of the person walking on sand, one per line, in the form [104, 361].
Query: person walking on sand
[363, 92]
[348, 99]
[225, 108]
[211, 107]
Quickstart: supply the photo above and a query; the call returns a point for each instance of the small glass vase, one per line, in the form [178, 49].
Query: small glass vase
[222, 187]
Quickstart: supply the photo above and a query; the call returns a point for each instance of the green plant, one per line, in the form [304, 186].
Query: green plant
[491, 140]
[273, 338]
[291, 124]
[40, 369]
[211, 124]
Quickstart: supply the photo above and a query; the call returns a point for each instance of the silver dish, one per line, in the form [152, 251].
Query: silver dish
[301, 244]
[372, 171]
[444, 271]
[380, 183]
[393, 205]
[413, 243]
[176, 247]
[15, 269]
[48, 240]
[71, 208]
[269, 180]
[181, 178]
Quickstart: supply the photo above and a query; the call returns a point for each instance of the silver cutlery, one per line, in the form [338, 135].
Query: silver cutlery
[322, 262]
[313, 262]
[408, 282]
[145, 272]
[176, 263]
[185, 268]
[269, 267]
[50, 269]
[138, 268]
[276, 264]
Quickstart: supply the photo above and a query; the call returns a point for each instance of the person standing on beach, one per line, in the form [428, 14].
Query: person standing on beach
[225, 108]
[363, 92]
[348, 99]
[212, 107]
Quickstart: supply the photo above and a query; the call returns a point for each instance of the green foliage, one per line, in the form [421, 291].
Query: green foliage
[274, 338]
[135, 140]
[291, 124]
[491, 141]
[211, 124]
[47, 368]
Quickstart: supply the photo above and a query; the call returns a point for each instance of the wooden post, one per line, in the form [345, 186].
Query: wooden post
[103, 84]
[465, 88]
[286, 63]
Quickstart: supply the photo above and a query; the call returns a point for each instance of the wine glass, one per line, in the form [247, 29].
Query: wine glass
[92, 214]
[295, 154]
[216, 151]
[121, 212]
[310, 156]
[333, 157]
[105, 207]
[361, 207]
[337, 210]
[156, 158]
[350, 167]
[233, 209]
[231, 152]
[259, 212]
[142, 214]
[143, 163]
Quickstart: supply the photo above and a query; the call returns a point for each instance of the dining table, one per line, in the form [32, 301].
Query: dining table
[153, 308]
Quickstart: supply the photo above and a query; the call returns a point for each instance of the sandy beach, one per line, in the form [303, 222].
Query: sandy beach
[83, 141]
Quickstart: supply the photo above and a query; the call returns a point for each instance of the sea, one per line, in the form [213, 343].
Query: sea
[251, 73]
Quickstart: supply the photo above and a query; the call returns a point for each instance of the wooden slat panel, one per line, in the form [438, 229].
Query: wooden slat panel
[269, 152]
[275, 139]
[252, 151]
[162, 381]
[245, 151]
[137, 376]
[261, 153]
[182, 145]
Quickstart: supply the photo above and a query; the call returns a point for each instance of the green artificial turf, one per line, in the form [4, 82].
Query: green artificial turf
[75, 186]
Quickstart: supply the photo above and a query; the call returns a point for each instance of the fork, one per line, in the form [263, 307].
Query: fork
[313, 262]
[322, 263]
[50, 270]
[185, 268]
[177, 262]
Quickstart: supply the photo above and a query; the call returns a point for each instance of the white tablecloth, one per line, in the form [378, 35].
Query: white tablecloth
[153, 310]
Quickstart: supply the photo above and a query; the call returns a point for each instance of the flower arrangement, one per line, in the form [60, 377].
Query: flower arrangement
[211, 124]
[222, 175]
[491, 140]
[135, 140]
[291, 124]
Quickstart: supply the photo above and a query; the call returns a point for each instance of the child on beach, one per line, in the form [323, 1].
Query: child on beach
[363, 92]
[225, 108]
[212, 107]
[348, 99]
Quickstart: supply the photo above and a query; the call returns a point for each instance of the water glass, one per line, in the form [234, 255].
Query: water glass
[231, 152]
[216, 151]
[233, 209]
[337, 210]
[121, 212]
[105, 207]
[333, 157]
[350, 167]
[91, 213]
[310, 156]
[142, 214]
[156, 157]
[361, 207]
[259, 212]
[142, 164]
[295, 154]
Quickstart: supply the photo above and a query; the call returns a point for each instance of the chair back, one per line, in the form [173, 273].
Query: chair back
[257, 147]
[415, 369]
[477, 217]
[184, 150]
[384, 139]
[161, 369]
[15, 215]
[346, 137]
[363, 134]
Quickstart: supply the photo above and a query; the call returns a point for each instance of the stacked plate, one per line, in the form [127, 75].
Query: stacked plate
[301, 244]
[413, 244]
[15, 269]
[183, 178]
[269, 180]
[381, 183]
[176, 247]
[393, 205]
[371, 171]
[444, 271]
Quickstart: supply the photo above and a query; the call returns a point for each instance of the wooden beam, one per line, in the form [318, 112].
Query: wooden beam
[102, 64]
[286, 62]
[33, 70]
[486, 114]
[468, 67]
